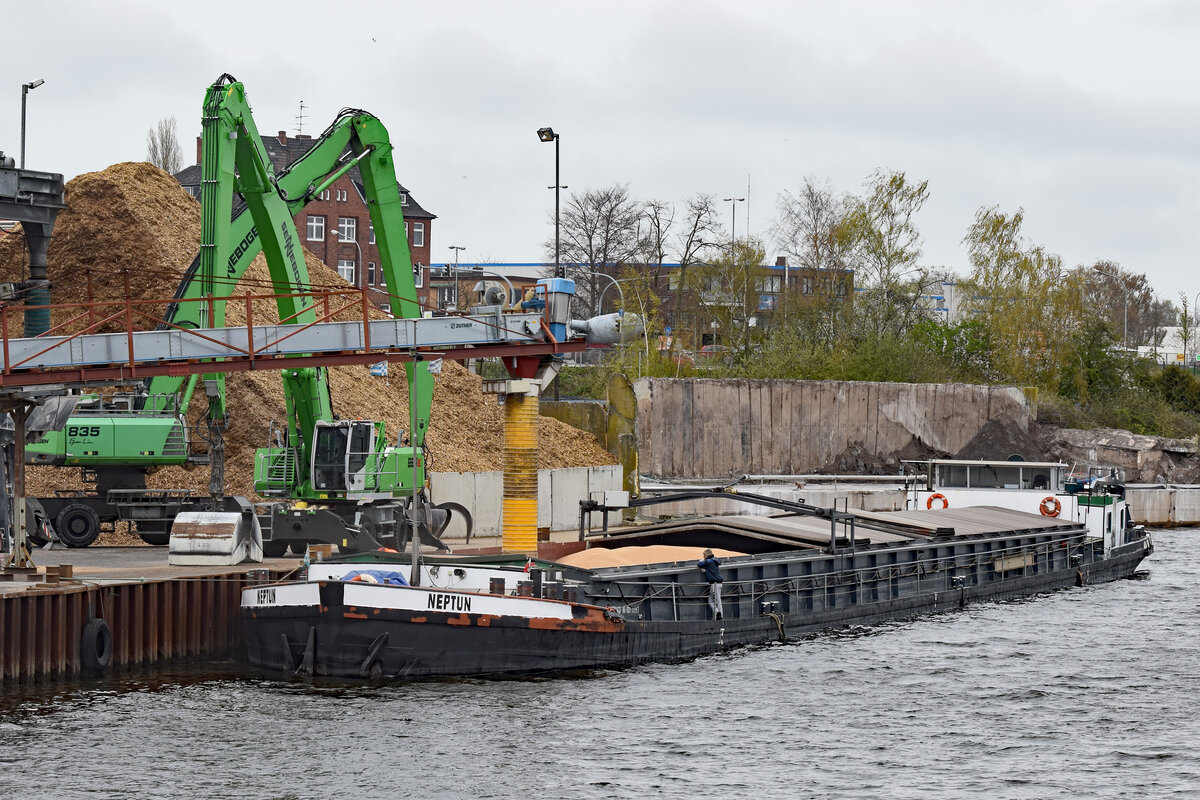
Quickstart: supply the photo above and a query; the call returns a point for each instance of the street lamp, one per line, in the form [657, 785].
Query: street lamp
[733, 201]
[1125, 314]
[548, 135]
[25, 88]
[456, 250]
[614, 282]
[358, 279]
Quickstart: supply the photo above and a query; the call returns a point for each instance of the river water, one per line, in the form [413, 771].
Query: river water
[1091, 692]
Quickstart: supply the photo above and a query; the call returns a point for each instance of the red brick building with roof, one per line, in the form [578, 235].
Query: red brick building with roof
[336, 225]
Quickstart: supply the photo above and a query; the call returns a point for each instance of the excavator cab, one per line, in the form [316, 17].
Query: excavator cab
[343, 454]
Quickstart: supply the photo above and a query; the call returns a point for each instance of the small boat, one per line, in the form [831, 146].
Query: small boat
[630, 596]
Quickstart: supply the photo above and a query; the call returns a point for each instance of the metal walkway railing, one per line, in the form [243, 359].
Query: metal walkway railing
[86, 356]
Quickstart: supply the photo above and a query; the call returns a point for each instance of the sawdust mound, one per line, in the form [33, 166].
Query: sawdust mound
[634, 555]
[134, 225]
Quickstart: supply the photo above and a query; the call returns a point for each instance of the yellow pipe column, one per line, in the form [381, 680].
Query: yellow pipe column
[520, 509]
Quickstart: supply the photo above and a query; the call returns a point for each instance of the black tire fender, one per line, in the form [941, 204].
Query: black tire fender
[95, 647]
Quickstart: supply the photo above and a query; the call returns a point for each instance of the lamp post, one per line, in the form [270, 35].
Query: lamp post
[358, 277]
[1125, 313]
[548, 135]
[614, 282]
[456, 250]
[733, 225]
[25, 88]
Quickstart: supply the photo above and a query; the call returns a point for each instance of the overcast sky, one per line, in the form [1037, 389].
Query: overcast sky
[1084, 114]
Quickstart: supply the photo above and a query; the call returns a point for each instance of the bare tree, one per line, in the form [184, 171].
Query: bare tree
[599, 231]
[813, 226]
[1127, 300]
[162, 146]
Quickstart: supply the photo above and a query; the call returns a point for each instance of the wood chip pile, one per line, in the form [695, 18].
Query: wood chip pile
[135, 217]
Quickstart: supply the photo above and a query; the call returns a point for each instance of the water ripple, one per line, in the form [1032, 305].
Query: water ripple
[1084, 693]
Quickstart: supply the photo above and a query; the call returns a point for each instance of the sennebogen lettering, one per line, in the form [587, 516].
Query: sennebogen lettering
[240, 250]
[289, 248]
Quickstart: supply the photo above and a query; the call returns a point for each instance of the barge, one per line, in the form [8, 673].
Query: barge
[632, 596]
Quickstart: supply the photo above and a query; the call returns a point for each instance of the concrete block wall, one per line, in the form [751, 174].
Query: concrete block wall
[705, 428]
[1164, 505]
[852, 498]
[559, 493]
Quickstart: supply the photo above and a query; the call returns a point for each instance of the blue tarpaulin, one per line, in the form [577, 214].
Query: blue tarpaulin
[379, 575]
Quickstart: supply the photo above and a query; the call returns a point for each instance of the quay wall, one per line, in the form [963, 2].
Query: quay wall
[152, 622]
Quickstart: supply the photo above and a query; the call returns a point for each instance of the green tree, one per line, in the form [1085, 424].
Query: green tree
[1023, 295]
[728, 290]
[886, 252]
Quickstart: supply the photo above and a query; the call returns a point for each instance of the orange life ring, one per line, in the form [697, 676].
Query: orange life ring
[1050, 507]
[937, 496]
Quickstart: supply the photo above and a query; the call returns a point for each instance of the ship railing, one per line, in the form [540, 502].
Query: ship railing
[932, 576]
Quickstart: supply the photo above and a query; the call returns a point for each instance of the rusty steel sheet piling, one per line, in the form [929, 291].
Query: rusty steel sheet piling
[48, 633]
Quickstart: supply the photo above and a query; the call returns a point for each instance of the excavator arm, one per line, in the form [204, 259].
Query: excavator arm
[236, 161]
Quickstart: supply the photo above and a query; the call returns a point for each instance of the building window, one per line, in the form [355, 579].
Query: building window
[323, 195]
[371, 273]
[806, 285]
[371, 232]
[347, 229]
[341, 195]
[316, 228]
[768, 284]
[419, 275]
[404, 198]
[445, 295]
[839, 288]
[346, 269]
[418, 234]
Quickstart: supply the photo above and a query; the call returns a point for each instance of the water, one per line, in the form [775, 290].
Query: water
[1085, 693]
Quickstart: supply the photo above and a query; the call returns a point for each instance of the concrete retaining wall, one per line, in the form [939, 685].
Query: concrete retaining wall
[559, 493]
[704, 428]
[854, 498]
[1164, 505]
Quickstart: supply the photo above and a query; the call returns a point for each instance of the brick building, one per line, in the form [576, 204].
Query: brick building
[336, 226]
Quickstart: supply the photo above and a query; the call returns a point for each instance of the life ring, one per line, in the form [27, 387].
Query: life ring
[1050, 507]
[95, 647]
[937, 496]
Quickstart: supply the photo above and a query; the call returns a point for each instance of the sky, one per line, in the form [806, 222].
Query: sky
[1083, 114]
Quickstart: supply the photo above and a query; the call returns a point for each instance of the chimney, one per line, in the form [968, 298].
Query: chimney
[283, 138]
[199, 148]
[781, 261]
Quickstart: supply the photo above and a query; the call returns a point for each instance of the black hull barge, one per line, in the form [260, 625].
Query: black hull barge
[792, 575]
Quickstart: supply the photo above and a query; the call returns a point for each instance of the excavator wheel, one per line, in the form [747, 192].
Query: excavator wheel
[77, 525]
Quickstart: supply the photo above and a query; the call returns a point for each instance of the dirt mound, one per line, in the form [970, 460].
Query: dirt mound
[134, 225]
